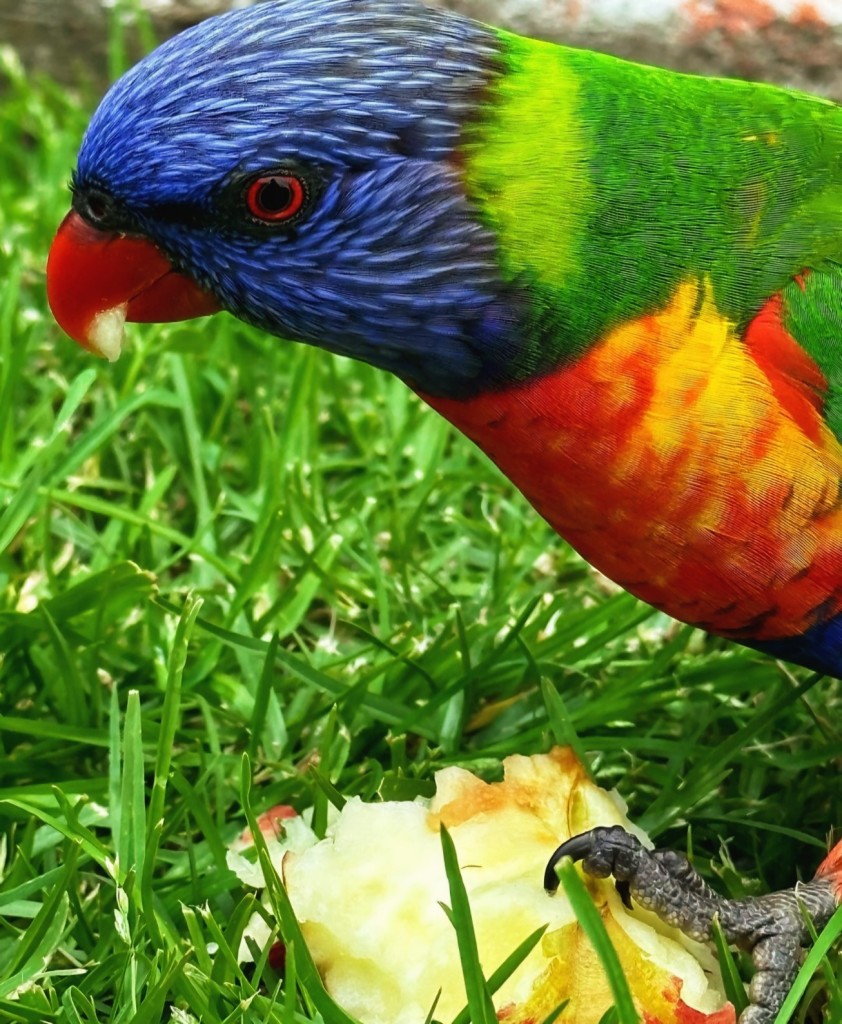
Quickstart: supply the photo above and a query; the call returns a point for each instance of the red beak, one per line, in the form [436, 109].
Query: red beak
[96, 280]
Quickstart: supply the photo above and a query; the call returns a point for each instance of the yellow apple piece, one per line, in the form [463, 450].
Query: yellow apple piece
[368, 899]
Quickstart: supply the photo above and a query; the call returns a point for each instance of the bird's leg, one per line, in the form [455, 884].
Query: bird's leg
[771, 928]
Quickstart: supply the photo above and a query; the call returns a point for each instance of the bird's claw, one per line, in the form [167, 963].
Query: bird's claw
[603, 851]
[576, 849]
[772, 928]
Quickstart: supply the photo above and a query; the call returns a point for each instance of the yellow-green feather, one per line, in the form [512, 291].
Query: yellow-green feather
[516, 171]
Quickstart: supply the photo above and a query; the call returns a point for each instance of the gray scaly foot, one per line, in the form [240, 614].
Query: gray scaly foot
[771, 928]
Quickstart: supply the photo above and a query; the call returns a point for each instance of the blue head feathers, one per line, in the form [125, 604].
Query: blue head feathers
[364, 105]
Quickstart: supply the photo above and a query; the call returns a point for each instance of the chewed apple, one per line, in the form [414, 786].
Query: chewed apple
[368, 901]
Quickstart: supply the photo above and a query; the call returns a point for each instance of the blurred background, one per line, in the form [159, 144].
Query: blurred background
[794, 42]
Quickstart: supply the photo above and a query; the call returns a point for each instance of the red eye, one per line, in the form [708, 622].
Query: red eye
[275, 198]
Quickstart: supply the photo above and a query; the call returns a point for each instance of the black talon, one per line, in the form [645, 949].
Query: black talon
[624, 892]
[576, 848]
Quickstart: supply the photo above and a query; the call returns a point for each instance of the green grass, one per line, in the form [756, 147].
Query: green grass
[227, 545]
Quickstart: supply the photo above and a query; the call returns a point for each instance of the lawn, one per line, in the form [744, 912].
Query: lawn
[227, 558]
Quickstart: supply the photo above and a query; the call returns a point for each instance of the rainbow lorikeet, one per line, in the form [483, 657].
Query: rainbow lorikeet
[624, 284]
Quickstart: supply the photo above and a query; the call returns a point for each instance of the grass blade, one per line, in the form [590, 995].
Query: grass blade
[591, 923]
[480, 1006]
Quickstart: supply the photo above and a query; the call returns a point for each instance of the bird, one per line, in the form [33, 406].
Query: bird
[624, 284]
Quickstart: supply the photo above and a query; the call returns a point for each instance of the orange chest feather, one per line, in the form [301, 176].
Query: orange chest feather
[687, 463]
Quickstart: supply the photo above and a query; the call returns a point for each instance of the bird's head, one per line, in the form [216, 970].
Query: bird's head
[299, 164]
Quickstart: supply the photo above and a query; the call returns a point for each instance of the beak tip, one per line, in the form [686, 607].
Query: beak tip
[105, 332]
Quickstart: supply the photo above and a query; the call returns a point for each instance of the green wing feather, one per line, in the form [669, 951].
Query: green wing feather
[812, 314]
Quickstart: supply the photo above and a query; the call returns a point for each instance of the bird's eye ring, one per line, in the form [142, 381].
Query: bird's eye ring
[275, 198]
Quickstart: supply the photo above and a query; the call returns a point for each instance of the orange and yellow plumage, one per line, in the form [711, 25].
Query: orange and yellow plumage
[697, 473]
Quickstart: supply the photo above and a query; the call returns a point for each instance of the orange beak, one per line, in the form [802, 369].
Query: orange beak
[98, 280]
